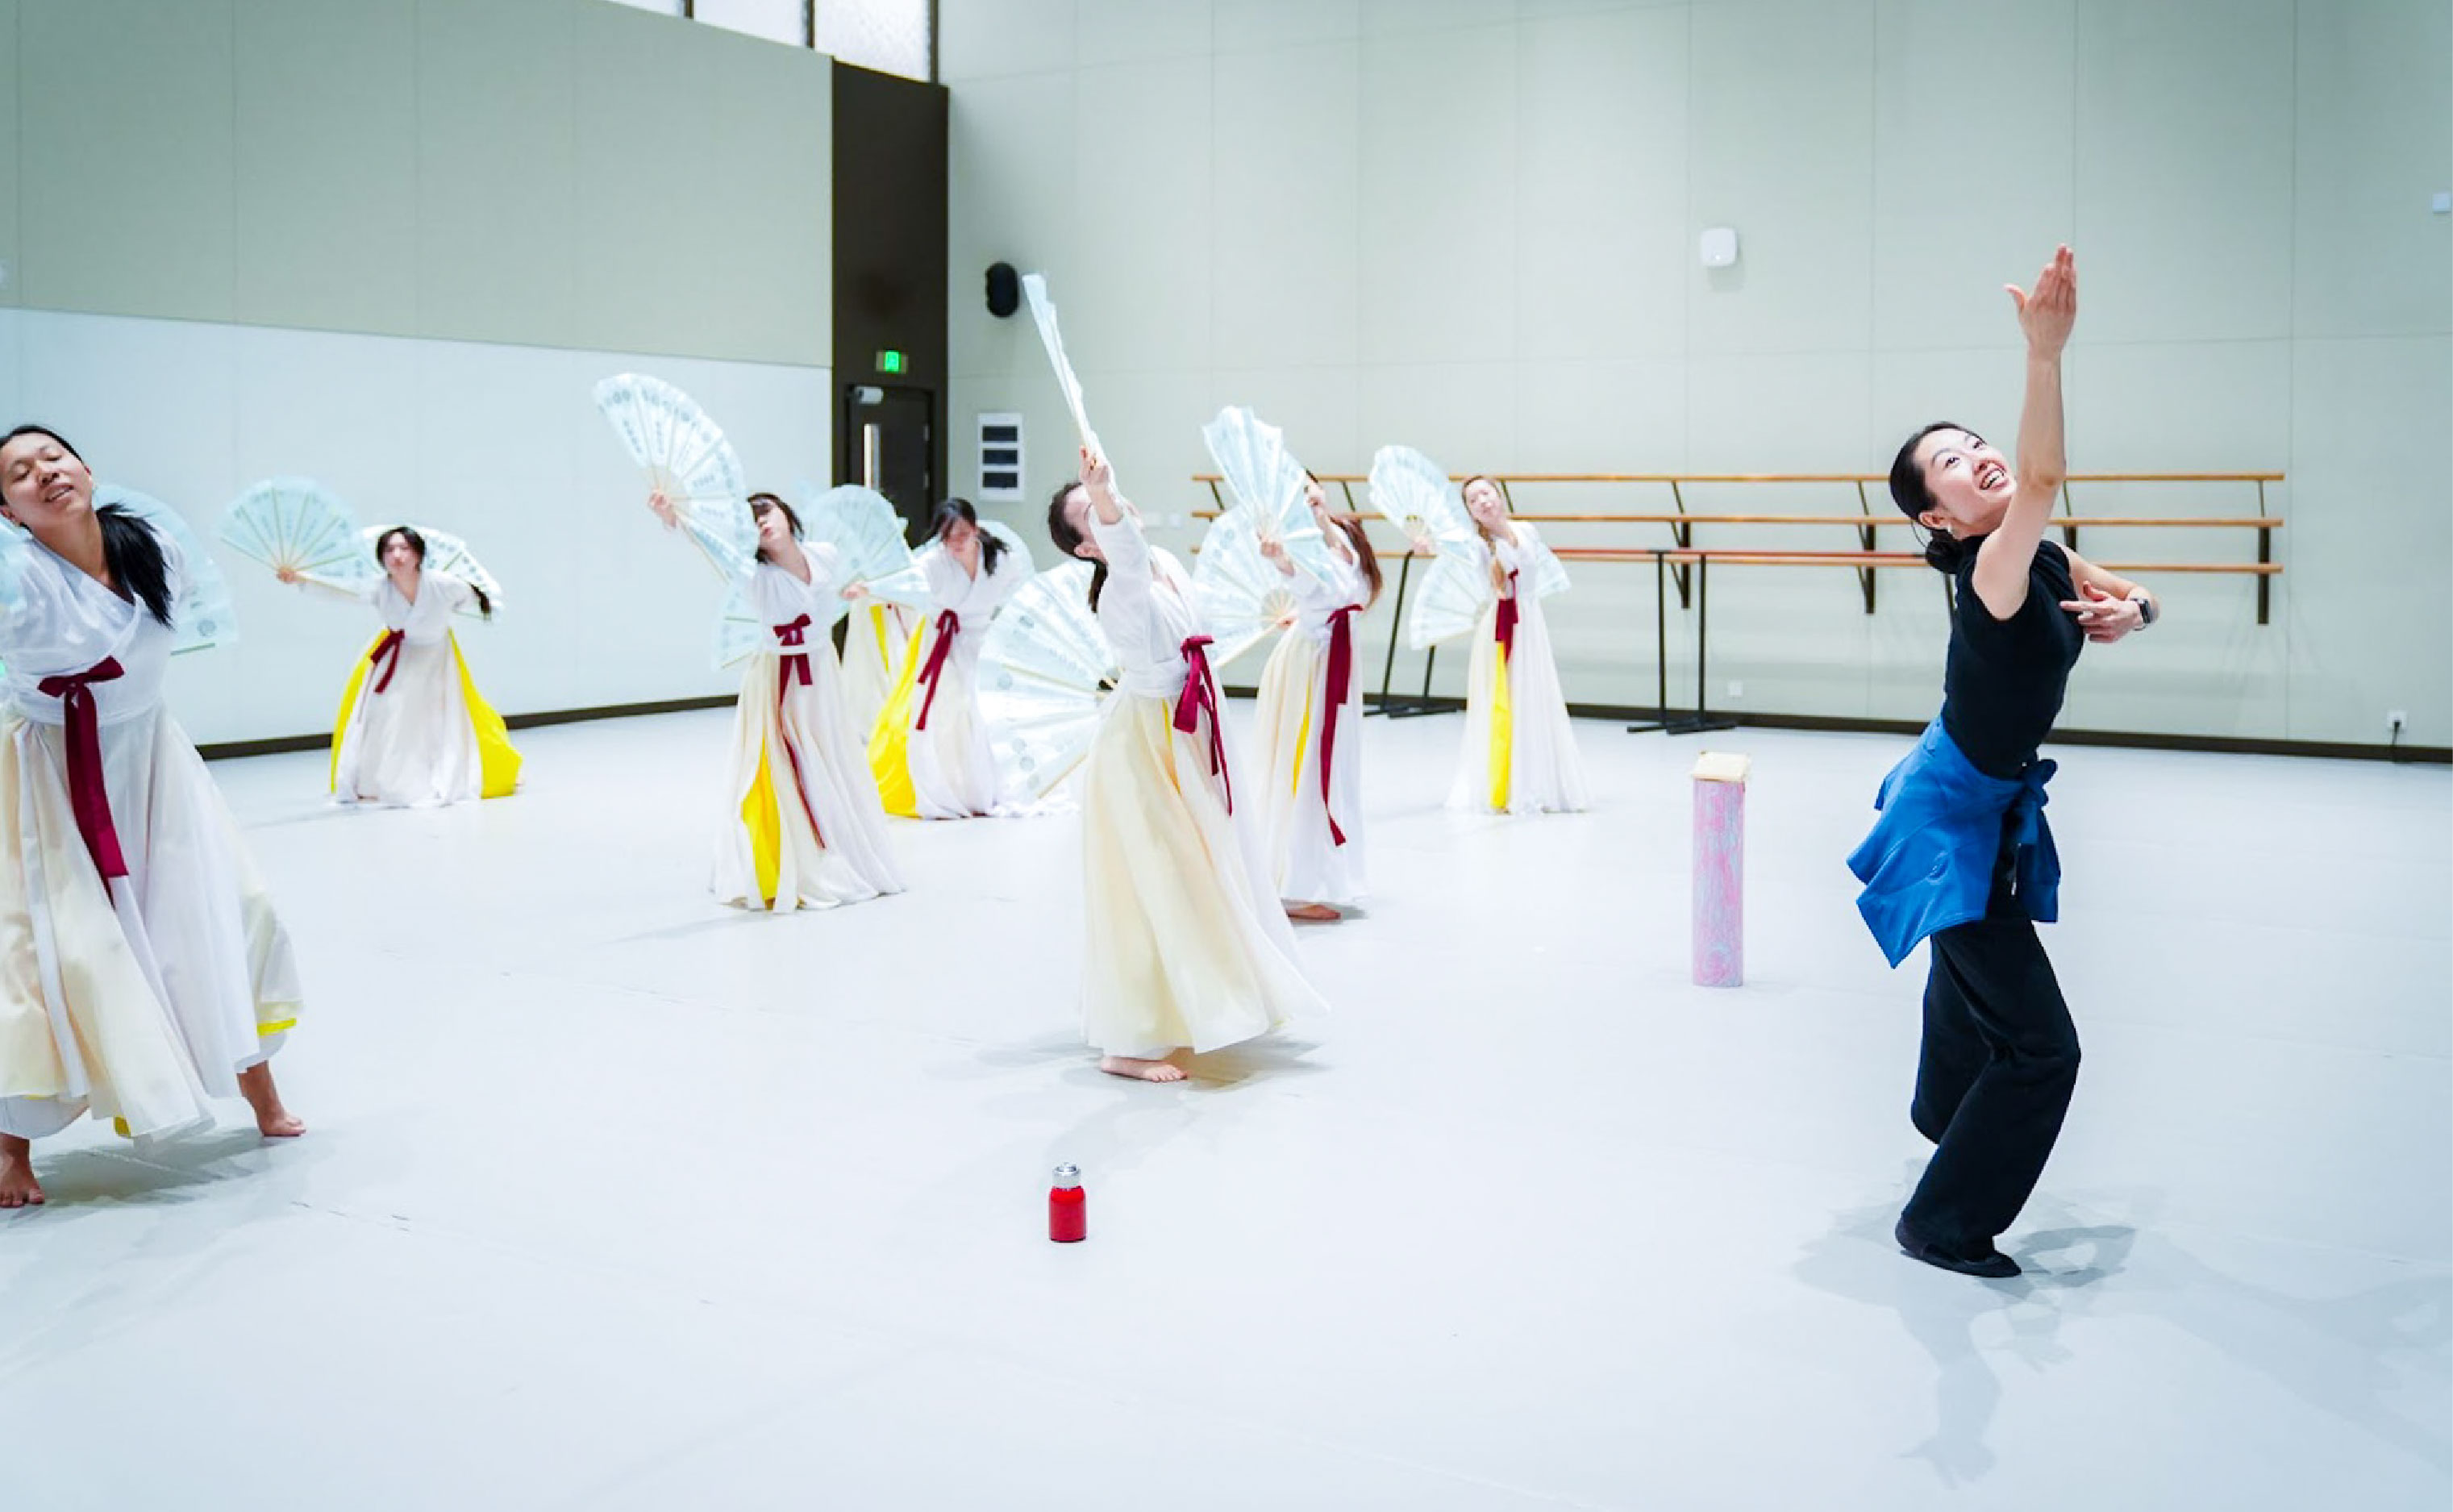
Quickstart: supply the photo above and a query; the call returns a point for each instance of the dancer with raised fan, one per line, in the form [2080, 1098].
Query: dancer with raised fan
[930, 748]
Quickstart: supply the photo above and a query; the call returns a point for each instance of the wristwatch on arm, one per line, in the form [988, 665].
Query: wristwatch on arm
[2146, 610]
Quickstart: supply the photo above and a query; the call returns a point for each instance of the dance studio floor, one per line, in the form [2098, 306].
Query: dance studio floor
[614, 1199]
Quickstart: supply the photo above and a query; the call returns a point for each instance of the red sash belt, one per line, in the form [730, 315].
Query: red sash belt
[790, 635]
[948, 625]
[1508, 617]
[1200, 692]
[385, 658]
[1339, 684]
[88, 799]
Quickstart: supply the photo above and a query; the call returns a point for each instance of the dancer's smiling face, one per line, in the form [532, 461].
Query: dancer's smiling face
[42, 481]
[1969, 480]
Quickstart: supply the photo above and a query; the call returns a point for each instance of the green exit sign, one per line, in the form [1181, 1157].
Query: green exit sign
[891, 361]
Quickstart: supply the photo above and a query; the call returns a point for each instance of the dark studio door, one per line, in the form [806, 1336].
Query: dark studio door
[889, 443]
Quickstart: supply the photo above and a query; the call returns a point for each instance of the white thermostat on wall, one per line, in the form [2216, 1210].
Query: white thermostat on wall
[1718, 247]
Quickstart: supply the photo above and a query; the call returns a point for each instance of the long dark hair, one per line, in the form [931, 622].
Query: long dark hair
[1944, 552]
[1060, 530]
[959, 512]
[130, 549]
[1351, 527]
[791, 521]
[417, 544]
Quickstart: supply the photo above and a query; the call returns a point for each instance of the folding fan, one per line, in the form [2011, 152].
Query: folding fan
[861, 524]
[295, 524]
[1550, 573]
[1042, 671]
[1413, 493]
[203, 616]
[1242, 595]
[687, 461]
[1268, 484]
[445, 552]
[739, 630]
[1043, 312]
[1453, 595]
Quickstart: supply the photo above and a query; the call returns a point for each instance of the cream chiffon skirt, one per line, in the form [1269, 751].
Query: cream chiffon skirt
[1306, 864]
[1188, 945]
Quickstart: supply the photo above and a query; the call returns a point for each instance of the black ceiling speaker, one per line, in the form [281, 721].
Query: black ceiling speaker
[1004, 290]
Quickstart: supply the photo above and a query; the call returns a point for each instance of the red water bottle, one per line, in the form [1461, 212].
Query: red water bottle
[1068, 1222]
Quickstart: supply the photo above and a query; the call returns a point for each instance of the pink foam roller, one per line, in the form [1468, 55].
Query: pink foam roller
[1720, 871]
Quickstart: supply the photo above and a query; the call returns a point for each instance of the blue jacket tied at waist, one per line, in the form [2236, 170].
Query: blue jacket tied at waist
[1928, 862]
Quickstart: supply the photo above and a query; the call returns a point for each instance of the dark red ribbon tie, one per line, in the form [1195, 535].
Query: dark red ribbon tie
[386, 657]
[948, 626]
[1340, 684]
[88, 798]
[1507, 626]
[788, 636]
[1200, 692]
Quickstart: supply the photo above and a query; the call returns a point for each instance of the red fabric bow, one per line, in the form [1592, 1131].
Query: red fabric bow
[386, 657]
[1341, 682]
[88, 798]
[948, 625]
[1200, 692]
[788, 635]
[1508, 617]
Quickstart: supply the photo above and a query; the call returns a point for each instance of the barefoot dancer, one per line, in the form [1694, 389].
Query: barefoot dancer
[144, 971]
[1311, 786]
[1189, 946]
[1961, 855]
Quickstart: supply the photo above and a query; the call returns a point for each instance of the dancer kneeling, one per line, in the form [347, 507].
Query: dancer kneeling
[1188, 945]
[144, 971]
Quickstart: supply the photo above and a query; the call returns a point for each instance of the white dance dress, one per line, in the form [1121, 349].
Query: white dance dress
[1311, 718]
[930, 748]
[413, 730]
[142, 966]
[1520, 748]
[1188, 945]
[802, 826]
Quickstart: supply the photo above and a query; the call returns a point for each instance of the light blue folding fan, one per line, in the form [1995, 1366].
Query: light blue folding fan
[1044, 669]
[1242, 595]
[1043, 314]
[1268, 484]
[687, 459]
[865, 529]
[1413, 493]
[297, 524]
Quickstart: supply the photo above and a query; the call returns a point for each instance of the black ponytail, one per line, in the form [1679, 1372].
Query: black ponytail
[133, 553]
[1944, 552]
[1060, 530]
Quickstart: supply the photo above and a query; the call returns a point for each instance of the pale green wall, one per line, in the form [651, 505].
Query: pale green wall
[1469, 224]
[549, 172]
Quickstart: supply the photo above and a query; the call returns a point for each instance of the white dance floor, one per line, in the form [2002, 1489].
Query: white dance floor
[614, 1199]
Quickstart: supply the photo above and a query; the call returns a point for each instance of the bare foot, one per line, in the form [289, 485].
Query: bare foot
[1313, 912]
[272, 1120]
[1141, 1070]
[18, 1187]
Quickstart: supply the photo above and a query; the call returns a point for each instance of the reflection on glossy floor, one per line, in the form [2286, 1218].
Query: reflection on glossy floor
[616, 1199]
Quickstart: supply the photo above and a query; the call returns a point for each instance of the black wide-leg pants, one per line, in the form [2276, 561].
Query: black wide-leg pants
[1994, 1077]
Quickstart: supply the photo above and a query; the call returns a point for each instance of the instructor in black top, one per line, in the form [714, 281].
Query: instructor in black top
[2000, 1054]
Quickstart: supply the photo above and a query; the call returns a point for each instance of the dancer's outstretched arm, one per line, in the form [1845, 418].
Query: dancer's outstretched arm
[2046, 316]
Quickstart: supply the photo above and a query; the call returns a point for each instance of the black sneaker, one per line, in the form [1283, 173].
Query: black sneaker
[1992, 1264]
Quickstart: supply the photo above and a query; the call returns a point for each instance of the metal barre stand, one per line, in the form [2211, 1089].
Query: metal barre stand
[1701, 719]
